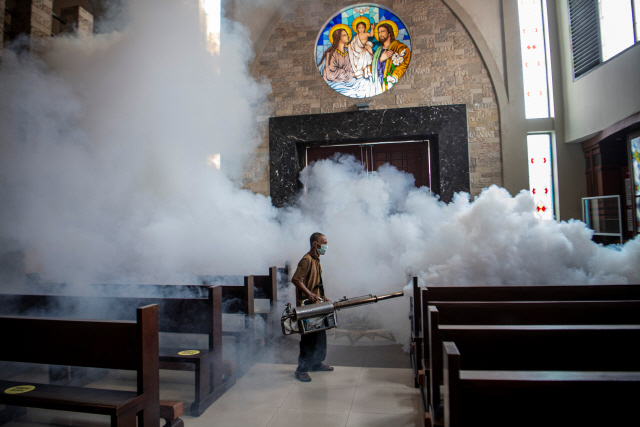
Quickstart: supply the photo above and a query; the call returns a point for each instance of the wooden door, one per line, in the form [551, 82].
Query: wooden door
[410, 157]
[320, 153]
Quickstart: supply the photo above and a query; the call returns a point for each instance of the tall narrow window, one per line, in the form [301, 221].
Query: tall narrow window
[534, 59]
[211, 12]
[636, 14]
[541, 174]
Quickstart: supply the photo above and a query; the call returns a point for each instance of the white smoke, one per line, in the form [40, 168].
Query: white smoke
[104, 177]
[105, 149]
[379, 223]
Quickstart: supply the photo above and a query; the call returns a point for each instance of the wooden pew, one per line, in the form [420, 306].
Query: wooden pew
[177, 315]
[537, 312]
[238, 300]
[203, 317]
[547, 347]
[88, 343]
[415, 316]
[536, 398]
[170, 411]
[531, 293]
[266, 287]
[433, 295]
[534, 347]
[527, 313]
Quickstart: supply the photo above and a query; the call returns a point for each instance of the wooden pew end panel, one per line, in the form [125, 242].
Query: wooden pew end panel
[421, 378]
[427, 420]
[170, 411]
[229, 367]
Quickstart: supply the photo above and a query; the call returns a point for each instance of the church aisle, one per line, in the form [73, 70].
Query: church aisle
[269, 395]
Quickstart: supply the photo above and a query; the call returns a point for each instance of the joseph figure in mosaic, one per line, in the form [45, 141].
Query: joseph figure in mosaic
[390, 60]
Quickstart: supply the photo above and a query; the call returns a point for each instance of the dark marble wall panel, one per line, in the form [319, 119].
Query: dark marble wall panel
[444, 125]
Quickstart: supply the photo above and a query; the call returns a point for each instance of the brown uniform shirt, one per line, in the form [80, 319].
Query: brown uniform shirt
[309, 272]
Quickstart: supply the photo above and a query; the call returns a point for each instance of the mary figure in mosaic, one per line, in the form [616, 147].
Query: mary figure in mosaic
[338, 70]
[337, 67]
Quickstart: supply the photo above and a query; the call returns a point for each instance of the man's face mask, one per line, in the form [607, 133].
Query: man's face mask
[322, 249]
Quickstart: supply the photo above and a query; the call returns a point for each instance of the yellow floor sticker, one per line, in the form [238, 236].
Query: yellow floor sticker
[188, 352]
[19, 389]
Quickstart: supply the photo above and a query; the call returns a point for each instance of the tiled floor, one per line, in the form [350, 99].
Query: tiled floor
[285, 350]
[371, 388]
[269, 395]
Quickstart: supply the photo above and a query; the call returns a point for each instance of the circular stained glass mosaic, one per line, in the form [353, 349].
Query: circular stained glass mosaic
[363, 51]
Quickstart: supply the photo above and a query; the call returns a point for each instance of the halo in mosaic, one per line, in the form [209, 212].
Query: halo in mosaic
[363, 51]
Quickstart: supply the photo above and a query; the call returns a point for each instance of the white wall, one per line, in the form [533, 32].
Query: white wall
[602, 97]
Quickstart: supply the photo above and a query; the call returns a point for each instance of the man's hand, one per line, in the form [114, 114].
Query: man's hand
[303, 289]
[386, 55]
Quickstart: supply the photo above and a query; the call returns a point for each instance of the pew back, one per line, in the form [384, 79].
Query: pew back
[534, 398]
[547, 347]
[531, 293]
[239, 298]
[267, 286]
[548, 293]
[538, 312]
[530, 337]
[88, 343]
[178, 315]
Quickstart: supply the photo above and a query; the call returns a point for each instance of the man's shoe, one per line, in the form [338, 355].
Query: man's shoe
[324, 368]
[303, 376]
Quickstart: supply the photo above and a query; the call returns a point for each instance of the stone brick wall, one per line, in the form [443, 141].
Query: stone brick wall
[445, 68]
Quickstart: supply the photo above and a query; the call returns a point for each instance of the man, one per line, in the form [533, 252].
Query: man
[384, 71]
[309, 286]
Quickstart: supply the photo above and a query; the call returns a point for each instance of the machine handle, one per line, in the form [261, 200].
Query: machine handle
[304, 301]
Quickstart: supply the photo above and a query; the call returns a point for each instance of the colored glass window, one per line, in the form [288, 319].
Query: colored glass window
[541, 174]
[534, 59]
[635, 163]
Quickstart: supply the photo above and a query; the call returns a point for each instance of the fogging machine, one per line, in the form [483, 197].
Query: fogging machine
[310, 318]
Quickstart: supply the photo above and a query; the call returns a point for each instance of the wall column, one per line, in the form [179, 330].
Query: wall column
[78, 20]
[33, 17]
